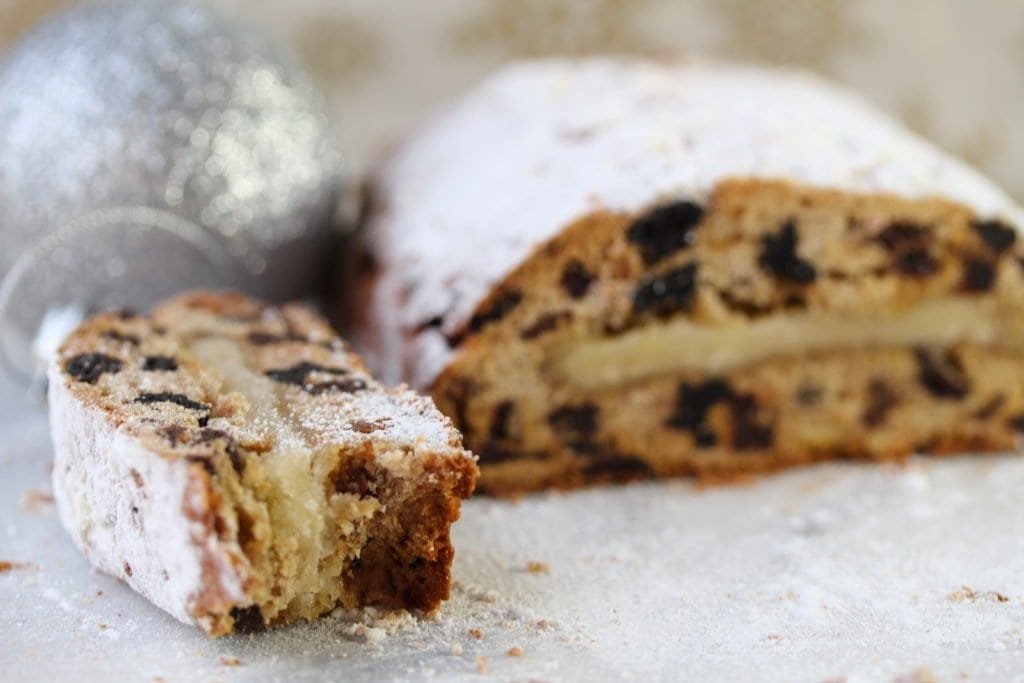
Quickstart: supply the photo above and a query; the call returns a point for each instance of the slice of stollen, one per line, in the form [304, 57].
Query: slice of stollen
[235, 463]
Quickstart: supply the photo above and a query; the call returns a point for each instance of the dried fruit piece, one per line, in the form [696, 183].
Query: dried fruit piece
[997, 235]
[942, 375]
[666, 294]
[159, 363]
[665, 230]
[576, 279]
[87, 367]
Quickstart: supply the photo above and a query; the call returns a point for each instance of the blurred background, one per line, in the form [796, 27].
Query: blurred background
[951, 69]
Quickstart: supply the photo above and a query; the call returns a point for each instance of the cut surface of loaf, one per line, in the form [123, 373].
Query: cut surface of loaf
[235, 463]
[627, 268]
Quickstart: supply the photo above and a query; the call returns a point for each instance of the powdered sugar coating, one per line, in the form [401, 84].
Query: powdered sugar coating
[105, 482]
[543, 143]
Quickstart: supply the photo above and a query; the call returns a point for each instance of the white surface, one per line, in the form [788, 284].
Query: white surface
[855, 571]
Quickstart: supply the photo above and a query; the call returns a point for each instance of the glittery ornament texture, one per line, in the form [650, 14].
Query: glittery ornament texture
[169, 106]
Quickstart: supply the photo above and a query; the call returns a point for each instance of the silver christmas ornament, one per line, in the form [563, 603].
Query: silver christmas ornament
[152, 146]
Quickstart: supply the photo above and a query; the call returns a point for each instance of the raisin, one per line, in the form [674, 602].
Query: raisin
[667, 294]
[260, 338]
[901, 234]
[365, 426]
[749, 430]
[665, 230]
[545, 323]
[576, 279]
[779, 257]
[1016, 423]
[298, 375]
[500, 420]
[117, 336]
[917, 263]
[704, 436]
[997, 235]
[908, 242]
[166, 397]
[177, 399]
[750, 309]
[979, 276]
[87, 367]
[500, 306]
[881, 399]
[161, 363]
[943, 376]
[618, 467]
[575, 422]
[127, 568]
[694, 402]
[247, 619]
[990, 408]
[794, 301]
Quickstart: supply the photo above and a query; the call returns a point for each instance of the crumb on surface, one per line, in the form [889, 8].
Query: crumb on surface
[482, 666]
[476, 633]
[33, 499]
[7, 565]
[457, 649]
[920, 675]
[969, 594]
[228, 660]
[543, 624]
[535, 567]
[371, 625]
[515, 651]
